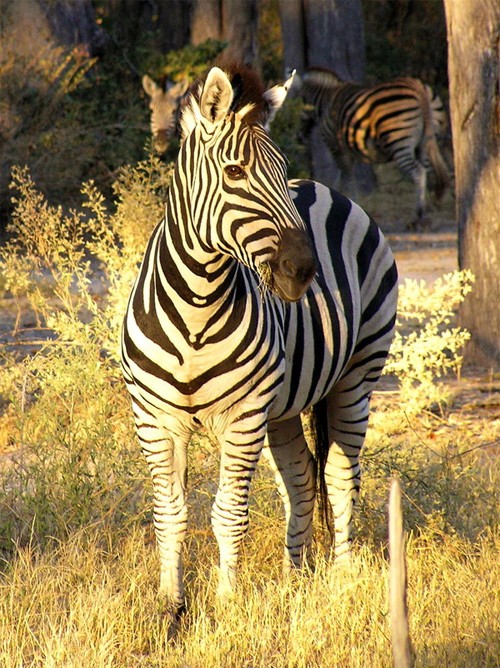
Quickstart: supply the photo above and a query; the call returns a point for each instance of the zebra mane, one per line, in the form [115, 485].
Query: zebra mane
[248, 97]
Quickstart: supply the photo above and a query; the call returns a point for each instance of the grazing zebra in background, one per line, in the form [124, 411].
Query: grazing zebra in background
[164, 103]
[394, 121]
[256, 300]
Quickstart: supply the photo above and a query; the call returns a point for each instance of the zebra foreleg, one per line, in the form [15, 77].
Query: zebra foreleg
[294, 471]
[240, 452]
[166, 458]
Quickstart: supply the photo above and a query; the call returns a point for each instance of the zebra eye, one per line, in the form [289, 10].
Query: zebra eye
[235, 172]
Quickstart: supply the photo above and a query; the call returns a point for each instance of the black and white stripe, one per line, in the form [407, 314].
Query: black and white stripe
[394, 121]
[256, 300]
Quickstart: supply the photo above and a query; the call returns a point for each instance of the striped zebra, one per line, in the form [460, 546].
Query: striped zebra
[164, 103]
[395, 121]
[256, 300]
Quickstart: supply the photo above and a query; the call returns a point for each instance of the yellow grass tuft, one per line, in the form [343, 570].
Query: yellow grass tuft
[91, 601]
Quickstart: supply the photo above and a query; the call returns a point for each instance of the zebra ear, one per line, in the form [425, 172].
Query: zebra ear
[149, 85]
[216, 96]
[177, 90]
[274, 98]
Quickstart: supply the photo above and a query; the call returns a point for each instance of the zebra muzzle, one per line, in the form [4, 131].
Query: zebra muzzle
[161, 140]
[293, 267]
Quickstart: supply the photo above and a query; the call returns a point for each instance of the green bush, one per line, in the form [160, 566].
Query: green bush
[425, 347]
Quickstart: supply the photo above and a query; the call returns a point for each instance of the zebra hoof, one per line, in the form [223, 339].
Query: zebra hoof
[179, 612]
[172, 619]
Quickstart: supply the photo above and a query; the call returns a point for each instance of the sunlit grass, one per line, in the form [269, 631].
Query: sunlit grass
[91, 600]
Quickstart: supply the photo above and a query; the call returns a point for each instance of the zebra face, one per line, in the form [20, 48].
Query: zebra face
[238, 190]
[164, 104]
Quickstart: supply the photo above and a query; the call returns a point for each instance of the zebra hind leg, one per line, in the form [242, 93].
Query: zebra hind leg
[348, 420]
[294, 470]
[418, 174]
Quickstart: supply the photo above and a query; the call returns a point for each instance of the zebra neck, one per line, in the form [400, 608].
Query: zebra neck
[193, 281]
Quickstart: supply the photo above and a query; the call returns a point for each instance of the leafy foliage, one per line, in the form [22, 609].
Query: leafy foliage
[425, 347]
[406, 39]
[286, 131]
[191, 62]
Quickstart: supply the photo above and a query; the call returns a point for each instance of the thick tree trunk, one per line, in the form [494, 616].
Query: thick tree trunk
[233, 21]
[206, 20]
[240, 26]
[474, 71]
[73, 22]
[330, 34]
[32, 28]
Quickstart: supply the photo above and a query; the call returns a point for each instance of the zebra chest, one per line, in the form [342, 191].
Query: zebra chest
[318, 344]
[195, 369]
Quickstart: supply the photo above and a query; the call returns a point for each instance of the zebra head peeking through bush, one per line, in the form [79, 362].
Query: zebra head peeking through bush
[396, 121]
[164, 103]
[256, 300]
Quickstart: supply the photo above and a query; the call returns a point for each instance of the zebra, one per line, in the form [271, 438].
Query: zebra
[256, 300]
[164, 103]
[396, 121]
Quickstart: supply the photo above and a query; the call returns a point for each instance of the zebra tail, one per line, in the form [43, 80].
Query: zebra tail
[442, 179]
[319, 436]
[401, 644]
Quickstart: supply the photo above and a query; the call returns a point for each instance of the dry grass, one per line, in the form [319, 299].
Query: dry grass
[85, 603]
[90, 599]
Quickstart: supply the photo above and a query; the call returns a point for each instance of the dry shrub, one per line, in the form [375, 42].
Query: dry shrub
[73, 457]
[425, 346]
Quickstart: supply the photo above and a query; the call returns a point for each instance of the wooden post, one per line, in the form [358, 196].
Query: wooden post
[400, 633]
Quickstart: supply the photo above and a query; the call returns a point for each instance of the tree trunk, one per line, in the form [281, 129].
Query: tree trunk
[474, 71]
[74, 23]
[206, 21]
[330, 34]
[233, 21]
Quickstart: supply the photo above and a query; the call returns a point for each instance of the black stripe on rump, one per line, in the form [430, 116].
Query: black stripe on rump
[335, 228]
[386, 284]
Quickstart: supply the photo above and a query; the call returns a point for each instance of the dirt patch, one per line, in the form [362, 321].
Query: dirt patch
[424, 256]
